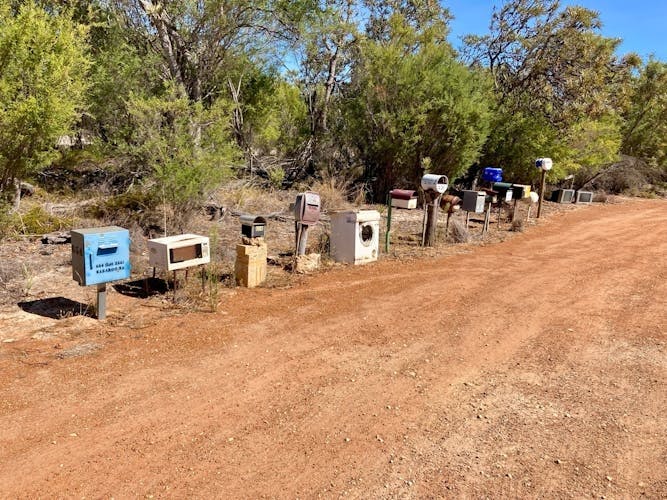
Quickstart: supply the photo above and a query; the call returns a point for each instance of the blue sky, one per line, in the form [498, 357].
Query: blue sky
[642, 24]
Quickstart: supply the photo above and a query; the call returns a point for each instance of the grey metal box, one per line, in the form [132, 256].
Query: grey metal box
[474, 201]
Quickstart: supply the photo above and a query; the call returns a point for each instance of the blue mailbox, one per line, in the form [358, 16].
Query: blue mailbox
[100, 255]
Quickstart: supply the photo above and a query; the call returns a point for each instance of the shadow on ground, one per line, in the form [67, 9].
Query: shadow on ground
[57, 308]
[143, 288]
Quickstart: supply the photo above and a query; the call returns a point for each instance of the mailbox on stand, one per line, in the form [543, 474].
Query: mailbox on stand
[307, 210]
[100, 255]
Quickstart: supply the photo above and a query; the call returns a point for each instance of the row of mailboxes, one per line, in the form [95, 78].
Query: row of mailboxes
[102, 254]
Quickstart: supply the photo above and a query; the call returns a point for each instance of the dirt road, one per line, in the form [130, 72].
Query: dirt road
[534, 367]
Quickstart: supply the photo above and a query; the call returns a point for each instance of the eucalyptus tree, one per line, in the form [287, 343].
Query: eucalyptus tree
[413, 106]
[554, 74]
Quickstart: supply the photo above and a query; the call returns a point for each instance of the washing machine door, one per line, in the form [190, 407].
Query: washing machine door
[366, 234]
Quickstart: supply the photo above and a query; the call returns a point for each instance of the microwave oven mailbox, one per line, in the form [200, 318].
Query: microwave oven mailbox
[178, 252]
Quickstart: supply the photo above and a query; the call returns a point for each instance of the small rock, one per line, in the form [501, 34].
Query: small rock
[608, 478]
[8, 341]
[347, 440]
[509, 475]
[558, 461]
[412, 374]
[230, 440]
[73, 434]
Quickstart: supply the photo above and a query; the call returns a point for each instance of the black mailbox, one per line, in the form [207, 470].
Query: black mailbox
[253, 226]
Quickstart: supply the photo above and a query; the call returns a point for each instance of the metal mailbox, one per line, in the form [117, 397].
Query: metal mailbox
[504, 190]
[178, 252]
[435, 183]
[474, 201]
[100, 255]
[307, 208]
[521, 191]
[545, 164]
[253, 226]
[403, 198]
[492, 174]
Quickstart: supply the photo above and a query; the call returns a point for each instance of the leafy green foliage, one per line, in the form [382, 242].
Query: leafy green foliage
[188, 148]
[415, 101]
[645, 129]
[43, 64]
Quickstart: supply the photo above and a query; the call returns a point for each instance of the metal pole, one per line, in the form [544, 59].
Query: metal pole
[542, 184]
[303, 240]
[388, 232]
[101, 301]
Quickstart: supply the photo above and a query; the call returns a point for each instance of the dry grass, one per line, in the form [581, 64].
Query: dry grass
[457, 231]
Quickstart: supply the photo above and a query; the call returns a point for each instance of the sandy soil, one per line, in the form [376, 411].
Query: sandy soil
[535, 367]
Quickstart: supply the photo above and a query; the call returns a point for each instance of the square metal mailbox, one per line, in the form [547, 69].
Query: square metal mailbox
[178, 252]
[474, 201]
[100, 255]
[307, 208]
[252, 226]
[504, 190]
[521, 191]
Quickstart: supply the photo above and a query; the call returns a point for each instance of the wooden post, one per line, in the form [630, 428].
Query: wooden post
[388, 231]
[487, 218]
[432, 221]
[542, 184]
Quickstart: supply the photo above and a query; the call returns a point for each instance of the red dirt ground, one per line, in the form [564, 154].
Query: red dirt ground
[535, 367]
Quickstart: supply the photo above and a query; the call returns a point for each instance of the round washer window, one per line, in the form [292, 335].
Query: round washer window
[366, 233]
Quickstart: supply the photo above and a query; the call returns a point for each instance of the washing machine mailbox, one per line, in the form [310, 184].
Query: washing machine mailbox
[307, 208]
[253, 226]
[435, 183]
[100, 255]
[178, 252]
[355, 236]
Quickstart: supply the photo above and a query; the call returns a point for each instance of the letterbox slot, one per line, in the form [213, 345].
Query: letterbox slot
[106, 249]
